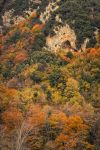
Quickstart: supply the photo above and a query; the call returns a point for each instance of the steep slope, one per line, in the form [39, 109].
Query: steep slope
[12, 10]
[49, 89]
[82, 16]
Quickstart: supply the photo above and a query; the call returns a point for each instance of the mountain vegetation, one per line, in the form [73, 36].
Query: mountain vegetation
[48, 100]
[75, 14]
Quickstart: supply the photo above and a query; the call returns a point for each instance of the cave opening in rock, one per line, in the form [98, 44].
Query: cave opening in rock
[66, 44]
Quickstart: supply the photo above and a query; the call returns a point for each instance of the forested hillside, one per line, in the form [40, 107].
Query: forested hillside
[82, 15]
[49, 83]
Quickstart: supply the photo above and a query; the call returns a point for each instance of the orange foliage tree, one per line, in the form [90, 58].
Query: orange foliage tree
[72, 132]
[20, 57]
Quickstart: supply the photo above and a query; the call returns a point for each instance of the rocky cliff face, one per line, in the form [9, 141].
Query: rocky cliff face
[64, 20]
[51, 8]
[62, 34]
[81, 16]
[12, 11]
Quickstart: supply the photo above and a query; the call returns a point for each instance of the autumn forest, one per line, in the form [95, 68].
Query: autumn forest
[50, 75]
